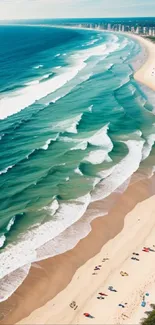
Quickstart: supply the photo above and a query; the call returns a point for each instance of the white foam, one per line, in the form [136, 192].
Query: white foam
[53, 207]
[73, 127]
[97, 156]
[46, 76]
[121, 172]
[78, 171]
[80, 146]
[75, 233]
[47, 143]
[24, 252]
[57, 55]
[2, 240]
[45, 147]
[28, 95]
[4, 171]
[148, 146]
[122, 188]
[11, 223]
[58, 67]
[105, 173]
[138, 132]
[68, 125]
[101, 138]
[92, 42]
[90, 108]
[34, 82]
[11, 282]
[38, 66]
[55, 100]
[27, 157]
[152, 172]
[124, 43]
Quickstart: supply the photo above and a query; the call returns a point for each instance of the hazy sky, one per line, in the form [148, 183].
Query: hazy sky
[12, 9]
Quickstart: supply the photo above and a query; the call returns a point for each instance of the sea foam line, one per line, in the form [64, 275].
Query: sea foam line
[121, 172]
[24, 252]
[11, 282]
[30, 94]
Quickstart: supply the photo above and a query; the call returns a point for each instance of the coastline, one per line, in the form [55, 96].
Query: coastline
[138, 231]
[146, 73]
[52, 277]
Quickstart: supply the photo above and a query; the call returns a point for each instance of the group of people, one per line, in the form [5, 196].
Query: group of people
[73, 305]
[102, 296]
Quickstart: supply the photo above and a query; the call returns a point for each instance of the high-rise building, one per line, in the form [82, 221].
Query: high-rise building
[150, 31]
[123, 28]
[145, 30]
[109, 26]
[119, 27]
[139, 30]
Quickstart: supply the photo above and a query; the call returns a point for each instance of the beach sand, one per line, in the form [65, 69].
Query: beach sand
[146, 74]
[52, 284]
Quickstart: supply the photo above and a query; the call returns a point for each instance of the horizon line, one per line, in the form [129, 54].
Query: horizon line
[67, 18]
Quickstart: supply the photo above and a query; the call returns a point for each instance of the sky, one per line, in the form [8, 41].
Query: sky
[23, 9]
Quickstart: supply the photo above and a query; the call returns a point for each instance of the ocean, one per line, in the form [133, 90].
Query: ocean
[74, 127]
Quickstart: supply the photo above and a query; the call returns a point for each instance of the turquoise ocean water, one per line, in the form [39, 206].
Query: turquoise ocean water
[74, 127]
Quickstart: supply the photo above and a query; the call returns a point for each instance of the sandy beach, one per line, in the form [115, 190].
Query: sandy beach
[146, 74]
[137, 233]
[53, 284]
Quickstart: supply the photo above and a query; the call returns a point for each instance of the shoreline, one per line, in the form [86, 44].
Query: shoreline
[146, 73]
[50, 270]
[49, 278]
[138, 232]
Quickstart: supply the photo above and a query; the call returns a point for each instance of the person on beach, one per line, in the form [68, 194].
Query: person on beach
[124, 273]
[73, 304]
[121, 305]
[88, 315]
[112, 289]
[145, 249]
[134, 258]
[105, 259]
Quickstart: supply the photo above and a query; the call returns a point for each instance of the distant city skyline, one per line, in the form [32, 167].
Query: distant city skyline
[33, 9]
[143, 27]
